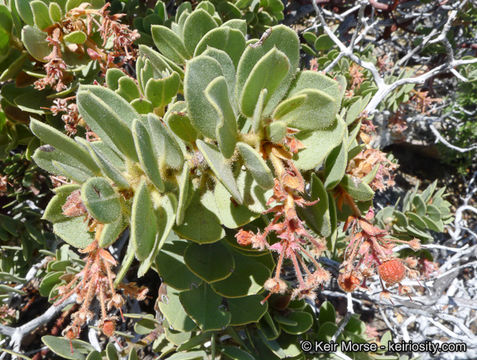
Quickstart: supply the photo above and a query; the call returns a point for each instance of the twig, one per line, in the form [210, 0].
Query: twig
[344, 322]
[449, 145]
[385, 89]
[18, 333]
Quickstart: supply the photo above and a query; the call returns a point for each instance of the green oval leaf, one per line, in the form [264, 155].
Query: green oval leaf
[203, 305]
[169, 44]
[196, 26]
[210, 262]
[143, 222]
[76, 37]
[268, 73]
[147, 157]
[199, 73]
[256, 165]
[101, 200]
[217, 94]
[62, 347]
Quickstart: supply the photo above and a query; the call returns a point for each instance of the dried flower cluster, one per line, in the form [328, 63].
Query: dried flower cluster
[6, 313]
[95, 280]
[366, 161]
[3, 185]
[370, 249]
[90, 22]
[70, 115]
[422, 101]
[293, 237]
[55, 66]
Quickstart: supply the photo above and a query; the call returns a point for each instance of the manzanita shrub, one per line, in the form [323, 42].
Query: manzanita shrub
[221, 166]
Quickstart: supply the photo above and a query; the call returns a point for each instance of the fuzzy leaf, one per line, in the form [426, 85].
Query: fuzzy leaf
[112, 78]
[121, 107]
[111, 232]
[267, 73]
[203, 229]
[165, 145]
[35, 42]
[210, 262]
[56, 14]
[204, 307]
[71, 172]
[239, 24]
[41, 16]
[165, 217]
[128, 88]
[143, 223]
[359, 192]
[224, 38]
[108, 115]
[169, 44]
[314, 80]
[217, 94]
[254, 196]
[228, 69]
[184, 194]
[286, 41]
[199, 73]
[257, 112]
[142, 106]
[160, 62]
[335, 166]
[318, 144]
[108, 168]
[101, 200]
[289, 105]
[220, 168]
[53, 212]
[317, 216]
[195, 27]
[62, 347]
[180, 123]
[147, 157]
[276, 132]
[48, 158]
[161, 91]
[231, 214]
[74, 231]
[75, 37]
[316, 111]
[256, 165]
[63, 143]
[353, 111]
[173, 311]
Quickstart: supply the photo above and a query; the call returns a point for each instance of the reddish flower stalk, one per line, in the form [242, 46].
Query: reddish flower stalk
[371, 249]
[287, 226]
[55, 65]
[88, 21]
[366, 161]
[95, 280]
